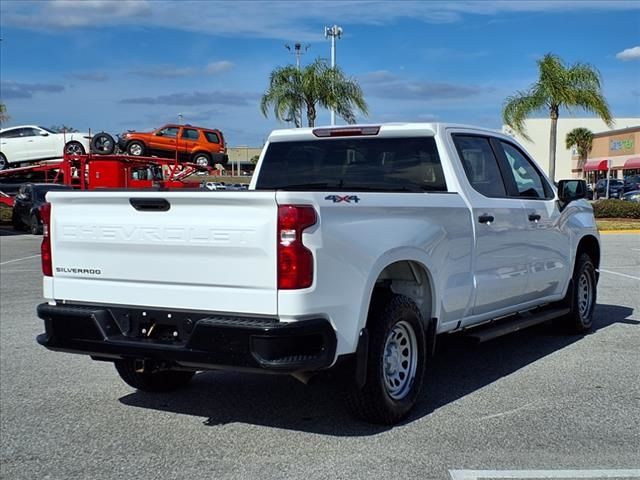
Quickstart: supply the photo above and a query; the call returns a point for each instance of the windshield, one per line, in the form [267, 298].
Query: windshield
[368, 164]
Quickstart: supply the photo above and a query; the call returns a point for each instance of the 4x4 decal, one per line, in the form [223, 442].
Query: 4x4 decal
[343, 198]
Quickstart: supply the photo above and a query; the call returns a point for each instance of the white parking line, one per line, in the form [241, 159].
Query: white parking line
[620, 274]
[18, 259]
[538, 474]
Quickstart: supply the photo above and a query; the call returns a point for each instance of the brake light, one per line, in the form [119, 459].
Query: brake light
[345, 131]
[45, 247]
[295, 261]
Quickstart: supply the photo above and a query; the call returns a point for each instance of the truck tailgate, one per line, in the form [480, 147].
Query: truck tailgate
[212, 251]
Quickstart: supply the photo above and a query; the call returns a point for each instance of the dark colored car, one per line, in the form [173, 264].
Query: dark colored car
[632, 183]
[616, 188]
[632, 196]
[26, 209]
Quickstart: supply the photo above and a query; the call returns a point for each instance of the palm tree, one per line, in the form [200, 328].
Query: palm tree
[582, 138]
[291, 90]
[558, 86]
[3, 114]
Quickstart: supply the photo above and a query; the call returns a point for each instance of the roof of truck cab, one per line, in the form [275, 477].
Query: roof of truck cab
[391, 129]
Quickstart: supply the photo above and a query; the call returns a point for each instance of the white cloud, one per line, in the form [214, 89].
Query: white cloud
[629, 54]
[275, 19]
[214, 68]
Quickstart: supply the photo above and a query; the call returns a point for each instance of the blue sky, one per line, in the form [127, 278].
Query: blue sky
[136, 64]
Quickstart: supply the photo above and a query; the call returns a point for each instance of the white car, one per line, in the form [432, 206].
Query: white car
[28, 143]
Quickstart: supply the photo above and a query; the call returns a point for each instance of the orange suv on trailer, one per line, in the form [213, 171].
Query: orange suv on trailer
[202, 146]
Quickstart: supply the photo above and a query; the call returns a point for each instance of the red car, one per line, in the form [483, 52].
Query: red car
[202, 146]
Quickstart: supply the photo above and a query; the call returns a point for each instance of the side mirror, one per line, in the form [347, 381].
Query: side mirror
[570, 190]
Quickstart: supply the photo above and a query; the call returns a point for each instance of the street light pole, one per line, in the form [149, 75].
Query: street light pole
[333, 32]
[297, 51]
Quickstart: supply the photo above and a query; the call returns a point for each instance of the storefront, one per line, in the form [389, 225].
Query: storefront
[615, 153]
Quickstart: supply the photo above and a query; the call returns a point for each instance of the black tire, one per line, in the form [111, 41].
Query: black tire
[136, 148]
[35, 226]
[153, 381]
[581, 297]
[3, 162]
[201, 159]
[17, 222]
[74, 148]
[387, 398]
[103, 144]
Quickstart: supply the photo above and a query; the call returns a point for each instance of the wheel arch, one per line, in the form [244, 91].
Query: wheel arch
[590, 245]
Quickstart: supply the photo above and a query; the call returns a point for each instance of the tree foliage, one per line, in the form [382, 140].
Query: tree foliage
[558, 87]
[4, 116]
[582, 138]
[292, 90]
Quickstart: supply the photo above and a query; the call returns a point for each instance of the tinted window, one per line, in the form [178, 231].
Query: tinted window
[480, 165]
[398, 164]
[212, 137]
[169, 132]
[190, 134]
[529, 182]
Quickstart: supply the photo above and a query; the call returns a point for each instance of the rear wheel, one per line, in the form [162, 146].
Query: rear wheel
[74, 148]
[135, 148]
[581, 298]
[3, 162]
[151, 380]
[395, 363]
[202, 160]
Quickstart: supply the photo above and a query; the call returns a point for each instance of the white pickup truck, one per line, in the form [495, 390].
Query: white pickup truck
[354, 248]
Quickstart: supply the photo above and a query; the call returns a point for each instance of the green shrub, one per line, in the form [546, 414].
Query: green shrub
[616, 209]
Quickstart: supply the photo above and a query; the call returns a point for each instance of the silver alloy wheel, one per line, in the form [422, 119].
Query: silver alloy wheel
[74, 148]
[400, 360]
[201, 161]
[585, 295]
[135, 149]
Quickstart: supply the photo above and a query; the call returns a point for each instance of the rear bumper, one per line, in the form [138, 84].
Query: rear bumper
[188, 339]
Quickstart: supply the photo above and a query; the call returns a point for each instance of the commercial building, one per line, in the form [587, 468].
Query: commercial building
[539, 130]
[616, 152]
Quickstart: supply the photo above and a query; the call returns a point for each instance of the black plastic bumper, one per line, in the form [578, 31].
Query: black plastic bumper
[188, 339]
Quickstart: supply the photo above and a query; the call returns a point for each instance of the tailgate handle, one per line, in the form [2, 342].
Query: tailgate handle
[150, 204]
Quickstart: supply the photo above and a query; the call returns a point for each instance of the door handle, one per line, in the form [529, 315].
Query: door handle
[486, 218]
[150, 204]
[534, 217]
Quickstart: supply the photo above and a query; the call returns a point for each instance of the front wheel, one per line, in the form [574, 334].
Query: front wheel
[35, 226]
[135, 148]
[152, 380]
[395, 364]
[3, 162]
[103, 144]
[581, 297]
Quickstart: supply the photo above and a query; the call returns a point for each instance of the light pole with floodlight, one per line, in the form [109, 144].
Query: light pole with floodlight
[333, 32]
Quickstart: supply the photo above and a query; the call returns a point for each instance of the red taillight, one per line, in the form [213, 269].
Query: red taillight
[45, 248]
[295, 261]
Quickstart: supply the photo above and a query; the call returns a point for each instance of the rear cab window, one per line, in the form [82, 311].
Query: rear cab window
[351, 164]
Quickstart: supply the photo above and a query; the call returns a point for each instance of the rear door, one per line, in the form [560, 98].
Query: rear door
[501, 234]
[196, 250]
[188, 140]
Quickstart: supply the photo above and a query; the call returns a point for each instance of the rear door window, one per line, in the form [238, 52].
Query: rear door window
[480, 165]
[190, 134]
[368, 164]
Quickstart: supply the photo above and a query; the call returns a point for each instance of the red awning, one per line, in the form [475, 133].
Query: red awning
[632, 163]
[596, 166]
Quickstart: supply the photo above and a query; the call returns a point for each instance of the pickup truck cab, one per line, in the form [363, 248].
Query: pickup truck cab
[354, 248]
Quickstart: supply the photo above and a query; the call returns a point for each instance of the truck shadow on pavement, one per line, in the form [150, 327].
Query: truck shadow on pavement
[283, 402]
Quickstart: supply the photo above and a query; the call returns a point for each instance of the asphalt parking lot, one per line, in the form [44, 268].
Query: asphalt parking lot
[536, 404]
